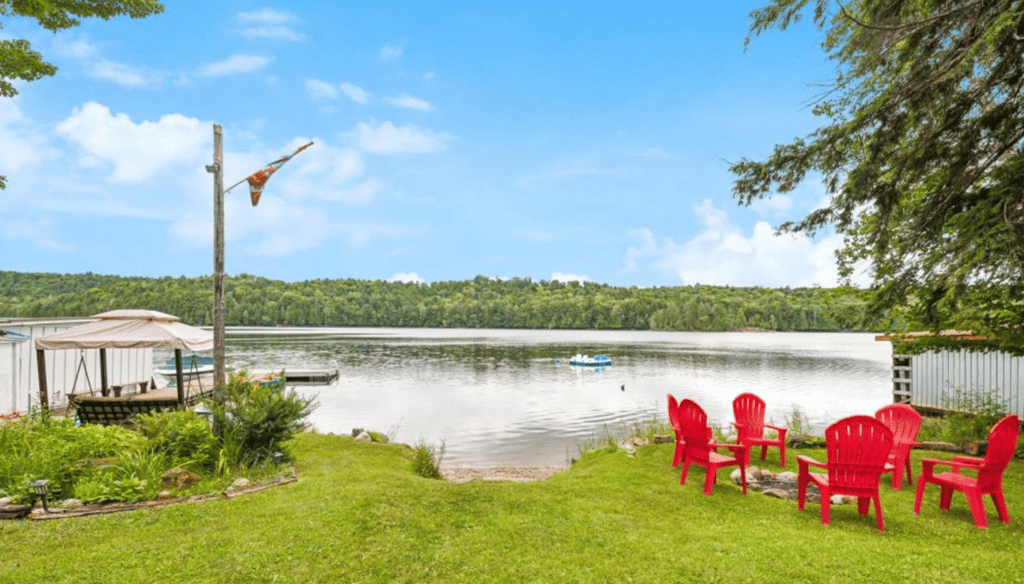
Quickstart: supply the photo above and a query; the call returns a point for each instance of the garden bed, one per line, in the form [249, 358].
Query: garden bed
[38, 514]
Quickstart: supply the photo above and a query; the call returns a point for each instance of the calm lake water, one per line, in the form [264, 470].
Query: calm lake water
[497, 397]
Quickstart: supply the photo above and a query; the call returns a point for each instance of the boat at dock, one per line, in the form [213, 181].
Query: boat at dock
[586, 361]
[191, 366]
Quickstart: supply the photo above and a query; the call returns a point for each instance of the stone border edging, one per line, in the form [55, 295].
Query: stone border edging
[121, 507]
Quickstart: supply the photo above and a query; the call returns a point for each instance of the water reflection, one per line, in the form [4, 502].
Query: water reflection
[509, 397]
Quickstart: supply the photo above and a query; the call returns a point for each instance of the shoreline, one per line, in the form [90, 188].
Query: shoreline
[509, 474]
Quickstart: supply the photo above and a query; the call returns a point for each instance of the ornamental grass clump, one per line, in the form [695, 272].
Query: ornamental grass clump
[426, 460]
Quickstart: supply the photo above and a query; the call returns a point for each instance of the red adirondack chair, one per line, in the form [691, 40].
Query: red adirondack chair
[748, 409]
[673, 419]
[858, 447]
[1002, 441]
[904, 422]
[700, 447]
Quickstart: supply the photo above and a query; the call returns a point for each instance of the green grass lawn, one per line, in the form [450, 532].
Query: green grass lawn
[359, 514]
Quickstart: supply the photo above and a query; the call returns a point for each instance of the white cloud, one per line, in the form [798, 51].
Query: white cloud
[273, 229]
[723, 254]
[41, 233]
[775, 206]
[277, 32]
[361, 193]
[234, 65]
[267, 23]
[137, 151]
[407, 101]
[364, 233]
[96, 67]
[407, 278]
[356, 93]
[329, 173]
[78, 48]
[560, 277]
[279, 227]
[531, 182]
[386, 138]
[23, 144]
[392, 51]
[266, 16]
[321, 90]
[659, 153]
[124, 75]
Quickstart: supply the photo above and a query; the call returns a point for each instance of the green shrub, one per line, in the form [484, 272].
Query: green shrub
[722, 433]
[797, 422]
[426, 460]
[968, 418]
[255, 420]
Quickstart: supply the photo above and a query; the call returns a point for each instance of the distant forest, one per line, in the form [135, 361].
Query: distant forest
[478, 303]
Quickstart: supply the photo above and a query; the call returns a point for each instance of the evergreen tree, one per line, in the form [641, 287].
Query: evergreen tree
[921, 152]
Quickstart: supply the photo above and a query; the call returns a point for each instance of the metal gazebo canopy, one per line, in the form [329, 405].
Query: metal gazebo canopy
[125, 329]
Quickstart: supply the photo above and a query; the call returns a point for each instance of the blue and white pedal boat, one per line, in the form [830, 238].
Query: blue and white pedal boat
[587, 361]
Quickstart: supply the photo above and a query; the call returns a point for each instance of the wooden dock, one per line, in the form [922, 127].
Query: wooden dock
[303, 376]
[310, 376]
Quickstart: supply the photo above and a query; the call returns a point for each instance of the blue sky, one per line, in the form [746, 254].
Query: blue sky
[548, 140]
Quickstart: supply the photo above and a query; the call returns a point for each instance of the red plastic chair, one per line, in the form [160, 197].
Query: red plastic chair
[700, 447]
[904, 422]
[1002, 441]
[858, 448]
[748, 409]
[673, 419]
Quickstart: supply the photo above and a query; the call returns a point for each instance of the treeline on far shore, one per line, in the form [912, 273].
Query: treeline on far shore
[478, 303]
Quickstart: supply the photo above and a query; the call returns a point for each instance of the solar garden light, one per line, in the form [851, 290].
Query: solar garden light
[40, 487]
[204, 411]
[277, 457]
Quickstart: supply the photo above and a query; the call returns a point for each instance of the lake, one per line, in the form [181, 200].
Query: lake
[509, 397]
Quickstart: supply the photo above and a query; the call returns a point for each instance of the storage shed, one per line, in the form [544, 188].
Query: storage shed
[931, 379]
[19, 378]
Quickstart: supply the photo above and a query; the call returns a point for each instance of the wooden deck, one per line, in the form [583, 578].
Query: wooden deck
[310, 376]
[106, 410]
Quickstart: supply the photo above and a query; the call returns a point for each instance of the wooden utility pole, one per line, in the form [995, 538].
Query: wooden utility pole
[217, 168]
[256, 182]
